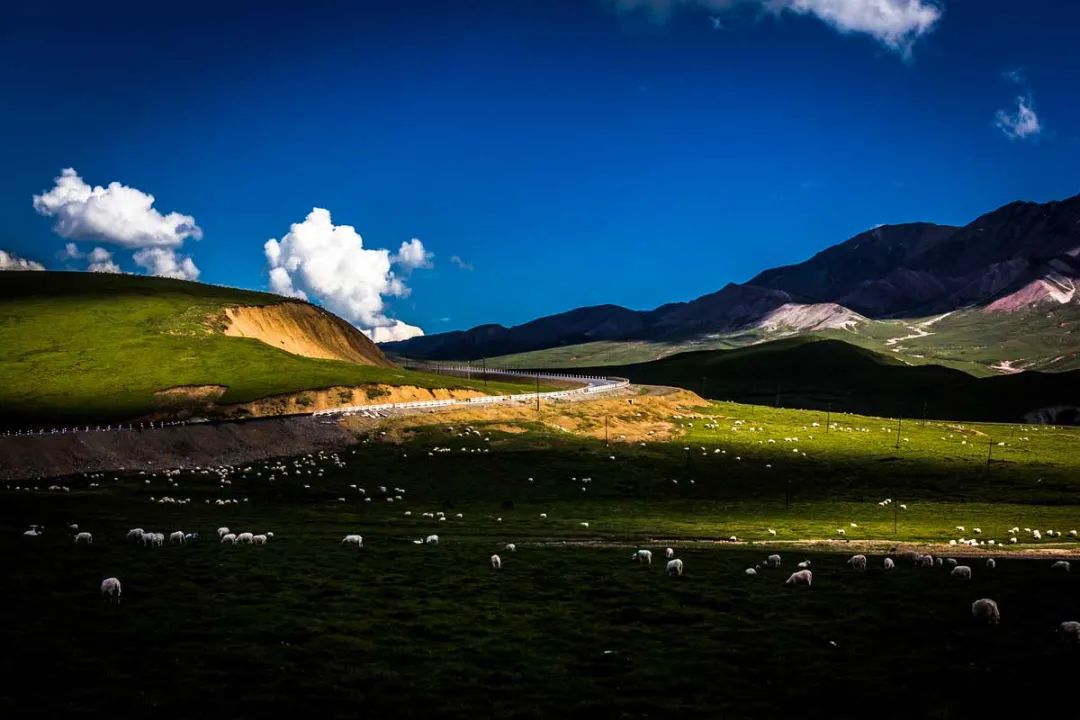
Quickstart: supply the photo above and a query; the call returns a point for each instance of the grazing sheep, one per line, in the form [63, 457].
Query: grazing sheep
[1069, 632]
[802, 577]
[961, 571]
[889, 564]
[1037, 535]
[228, 539]
[245, 538]
[156, 539]
[924, 561]
[669, 553]
[991, 563]
[84, 538]
[857, 562]
[751, 571]
[496, 562]
[644, 556]
[1062, 566]
[177, 538]
[950, 562]
[510, 547]
[356, 540]
[259, 540]
[110, 591]
[675, 567]
[222, 532]
[986, 611]
[431, 540]
[773, 561]
[938, 562]
[135, 534]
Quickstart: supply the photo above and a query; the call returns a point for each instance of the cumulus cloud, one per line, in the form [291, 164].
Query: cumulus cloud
[459, 263]
[896, 24]
[329, 262]
[9, 261]
[118, 215]
[100, 260]
[1021, 123]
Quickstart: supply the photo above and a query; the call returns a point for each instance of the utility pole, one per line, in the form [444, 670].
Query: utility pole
[537, 392]
[483, 362]
[828, 415]
[898, 422]
[989, 452]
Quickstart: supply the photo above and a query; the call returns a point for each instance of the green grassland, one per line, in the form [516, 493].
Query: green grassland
[76, 346]
[569, 626]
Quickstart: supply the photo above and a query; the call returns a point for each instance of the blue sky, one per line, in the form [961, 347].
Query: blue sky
[568, 153]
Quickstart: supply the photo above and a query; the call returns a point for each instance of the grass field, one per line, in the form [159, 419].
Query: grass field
[569, 626]
[84, 347]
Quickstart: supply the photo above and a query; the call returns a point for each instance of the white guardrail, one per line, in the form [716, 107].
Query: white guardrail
[592, 385]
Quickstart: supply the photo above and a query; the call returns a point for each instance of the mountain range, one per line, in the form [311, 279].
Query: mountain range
[882, 289]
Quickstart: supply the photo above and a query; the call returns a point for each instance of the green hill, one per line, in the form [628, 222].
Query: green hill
[96, 347]
[811, 373]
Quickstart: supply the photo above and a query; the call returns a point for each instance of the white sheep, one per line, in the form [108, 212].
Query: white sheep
[259, 539]
[950, 562]
[751, 571]
[991, 563]
[222, 532]
[177, 538]
[356, 540]
[1069, 631]
[510, 547]
[135, 534]
[644, 556]
[961, 571]
[801, 577]
[889, 564]
[84, 538]
[773, 561]
[675, 567]
[228, 539]
[496, 562]
[110, 590]
[431, 540]
[803, 565]
[857, 562]
[986, 610]
[245, 538]
[1062, 566]
[669, 553]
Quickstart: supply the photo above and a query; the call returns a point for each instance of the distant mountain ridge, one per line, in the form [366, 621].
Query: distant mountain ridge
[1019, 255]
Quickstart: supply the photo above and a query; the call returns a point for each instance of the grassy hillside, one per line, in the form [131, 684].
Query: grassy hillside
[83, 347]
[812, 373]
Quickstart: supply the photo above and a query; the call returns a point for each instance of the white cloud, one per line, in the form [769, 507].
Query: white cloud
[412, 255]
[9, 261]
[118, 215]
[896, 24]
[329, 262]
[1020, 124]
[459, 263]
[100, 260]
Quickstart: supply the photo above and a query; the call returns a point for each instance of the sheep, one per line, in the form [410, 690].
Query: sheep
[644, 556]
[1036, 534]
[889, 564]
[924, 561]
[228, 539]
[110, 591]
[177, 538]
[751, 571]
[431, 540]
[259, 539]
[986, 611]
[675, 567]
[772, 532]
[510, 547]
[773, 561]
[991, 563]
[961, 571]
[356, 540]
[156, 539]
[1069, 631]
[950, 562]
[803, 565]
[496, 562]
[669, 553]
[1062, 566]
[84, 538]
[134, 534]
[245, 538]
[222, 532]
[857, 562]
[801, 577]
